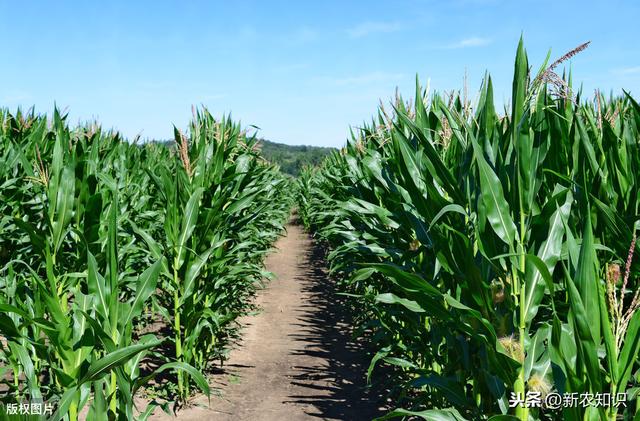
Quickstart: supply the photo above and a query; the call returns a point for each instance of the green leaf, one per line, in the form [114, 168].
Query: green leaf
[584, 338]
[29, 372]
[189, 221]
[587, 280]
[241, 203]
[115, 359]
[630, 351]
[98, 288]
[61, 214]
[446, 209]
[549, 253]
[492, 195]
[389, 298]
[145, 287]
[200, 380]
[450, 414]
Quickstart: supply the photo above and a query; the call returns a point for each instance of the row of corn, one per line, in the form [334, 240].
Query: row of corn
[491, 254]
[123, 267]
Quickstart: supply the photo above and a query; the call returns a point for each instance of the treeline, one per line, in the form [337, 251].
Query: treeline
[292, 159]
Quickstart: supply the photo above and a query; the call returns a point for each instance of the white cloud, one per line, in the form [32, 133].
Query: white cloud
[17, 97]
[305, 34]
[468, 3]
[365, 79]
[368, 28]
[628, 70]
[469, 43]
[248, 32]
[212, 97]
[206, 98]
[291, 67]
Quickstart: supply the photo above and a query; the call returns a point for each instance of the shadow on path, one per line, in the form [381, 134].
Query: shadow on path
[336, 385]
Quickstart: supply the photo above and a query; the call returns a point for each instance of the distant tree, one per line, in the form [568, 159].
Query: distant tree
[292, 159]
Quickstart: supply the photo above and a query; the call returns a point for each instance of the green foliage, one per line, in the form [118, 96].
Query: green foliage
[475, 246]
[292, 159]
[99, 237]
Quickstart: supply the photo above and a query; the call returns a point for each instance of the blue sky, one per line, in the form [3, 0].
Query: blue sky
[302, 71]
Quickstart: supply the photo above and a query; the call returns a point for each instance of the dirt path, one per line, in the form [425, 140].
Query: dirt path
[296, 359]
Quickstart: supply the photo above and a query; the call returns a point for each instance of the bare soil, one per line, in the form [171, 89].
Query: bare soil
[297, 359]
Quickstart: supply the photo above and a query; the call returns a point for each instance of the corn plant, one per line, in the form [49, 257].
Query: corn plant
[223, 207]
[80, 272]
[474, 243]
[48, 320]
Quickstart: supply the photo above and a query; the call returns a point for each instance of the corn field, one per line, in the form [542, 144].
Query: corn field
[122, 263]
[491, 254]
